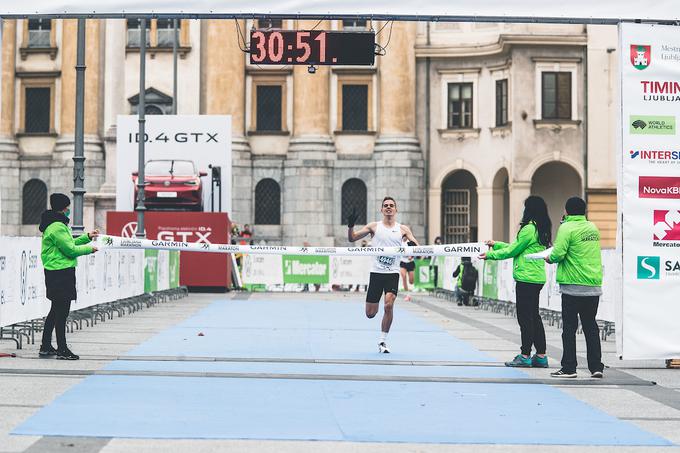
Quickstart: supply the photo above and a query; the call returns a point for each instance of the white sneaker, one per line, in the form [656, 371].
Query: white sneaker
[382, 348]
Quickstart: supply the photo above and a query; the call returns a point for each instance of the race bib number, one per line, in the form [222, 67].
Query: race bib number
[386, 261]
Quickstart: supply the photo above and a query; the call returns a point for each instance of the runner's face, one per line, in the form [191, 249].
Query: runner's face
[389, 208]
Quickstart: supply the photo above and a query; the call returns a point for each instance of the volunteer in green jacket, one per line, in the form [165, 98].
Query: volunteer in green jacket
[533, 237]
[59, 256]
[579, 273]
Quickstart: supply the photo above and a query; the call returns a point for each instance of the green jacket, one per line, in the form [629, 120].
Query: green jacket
[577, 250]
[60, 250]
[523, 270]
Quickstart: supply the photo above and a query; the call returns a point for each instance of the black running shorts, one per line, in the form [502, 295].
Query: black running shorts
[380, 284]
[410, 266]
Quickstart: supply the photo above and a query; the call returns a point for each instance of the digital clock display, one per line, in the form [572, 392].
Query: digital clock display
[312, 47]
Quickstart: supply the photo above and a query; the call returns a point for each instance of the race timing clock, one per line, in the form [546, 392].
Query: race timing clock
[312, 47]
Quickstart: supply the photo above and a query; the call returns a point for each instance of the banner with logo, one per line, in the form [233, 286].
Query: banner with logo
[105, 276]
[424, 275]
[649, 188]
[305, 269]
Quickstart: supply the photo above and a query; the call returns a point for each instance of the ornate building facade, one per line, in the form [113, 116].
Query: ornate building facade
[458, 122]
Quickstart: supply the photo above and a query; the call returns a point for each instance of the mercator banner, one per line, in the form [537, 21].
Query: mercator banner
[649, 192]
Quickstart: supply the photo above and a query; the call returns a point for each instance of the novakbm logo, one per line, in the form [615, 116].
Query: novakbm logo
[648, 267]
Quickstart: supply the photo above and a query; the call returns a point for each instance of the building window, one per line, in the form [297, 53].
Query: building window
[460, 106]
[155, 102]
[164, 32]
[501, 102]
[39, 32]
[270, 23]
[556, 95]
[37, 110]
[354, 24]
[354, 107]
[267, 202]
[33, 202]
[134, 32]
[354, 199]
[269, 107]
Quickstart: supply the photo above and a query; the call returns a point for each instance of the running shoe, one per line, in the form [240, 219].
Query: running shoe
[563, 374]
[597, 375]
[382, 348]
[519, 362]
[46, 352]
[66, 354]
[539, 362]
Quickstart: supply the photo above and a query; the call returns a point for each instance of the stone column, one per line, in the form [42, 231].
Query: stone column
[223, 93]
[519, 191]
[62, 171]
[485, 213]
[397, 154]
[434, 220]
[308, 170]
[114, 95]
[10, 190]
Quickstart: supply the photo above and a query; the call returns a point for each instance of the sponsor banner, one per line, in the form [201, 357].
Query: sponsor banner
[305, 269]
[490, 279]
[649, 188]
[102, 277]
[182, 231]
[204, 140]
[350, 270]
[424, 275]
[115, 242]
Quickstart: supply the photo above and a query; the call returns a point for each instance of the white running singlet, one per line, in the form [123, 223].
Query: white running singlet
[386, 237]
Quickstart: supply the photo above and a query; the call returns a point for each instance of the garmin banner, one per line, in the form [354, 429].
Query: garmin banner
[649, 192]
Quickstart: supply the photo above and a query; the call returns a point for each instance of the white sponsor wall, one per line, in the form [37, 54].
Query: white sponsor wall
[103, 277]
[204, 139]
[649, 188]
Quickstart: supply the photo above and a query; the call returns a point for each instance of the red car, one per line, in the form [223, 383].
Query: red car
[172, 184]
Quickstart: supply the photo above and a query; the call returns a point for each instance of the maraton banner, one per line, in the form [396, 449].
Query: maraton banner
[649, 192]
[115, 242]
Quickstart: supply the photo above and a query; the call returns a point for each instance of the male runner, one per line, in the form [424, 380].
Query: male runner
[385, 270]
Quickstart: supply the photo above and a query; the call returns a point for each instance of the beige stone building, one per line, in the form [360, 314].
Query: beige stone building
[458, 122]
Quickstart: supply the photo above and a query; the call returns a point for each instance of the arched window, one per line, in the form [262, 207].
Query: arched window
[354, 199]
[34, 201]
[267, 202]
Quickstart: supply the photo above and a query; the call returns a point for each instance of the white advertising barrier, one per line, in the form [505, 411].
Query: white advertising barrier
[203, 139]
[115, 242]
[102, 277]
[649, 190]
[350, 270]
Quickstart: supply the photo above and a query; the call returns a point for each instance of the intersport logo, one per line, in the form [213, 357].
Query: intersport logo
[659, 187]
[661, 156]
[667, 225]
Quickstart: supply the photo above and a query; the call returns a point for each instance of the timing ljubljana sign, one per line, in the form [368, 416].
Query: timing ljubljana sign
[649, 192]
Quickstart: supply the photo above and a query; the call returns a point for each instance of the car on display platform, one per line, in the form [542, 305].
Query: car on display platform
[172, 184]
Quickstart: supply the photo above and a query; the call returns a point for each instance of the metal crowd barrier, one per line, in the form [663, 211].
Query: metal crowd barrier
[90, 316]
[551, 317]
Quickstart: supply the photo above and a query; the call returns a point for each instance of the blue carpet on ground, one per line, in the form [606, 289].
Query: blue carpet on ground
[171, 407]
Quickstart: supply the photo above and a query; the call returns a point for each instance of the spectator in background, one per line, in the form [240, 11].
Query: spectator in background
[406, 268]
[579, 273]
[438, 240]
[247, 232]
[467, 277]
[534, 236]
[59, 256]
[235, 231]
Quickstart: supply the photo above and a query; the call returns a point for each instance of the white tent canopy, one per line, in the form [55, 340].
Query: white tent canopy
[595, 11]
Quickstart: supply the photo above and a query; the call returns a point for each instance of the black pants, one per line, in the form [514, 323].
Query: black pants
[528, 317]
[56, 320]
[574, 307]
